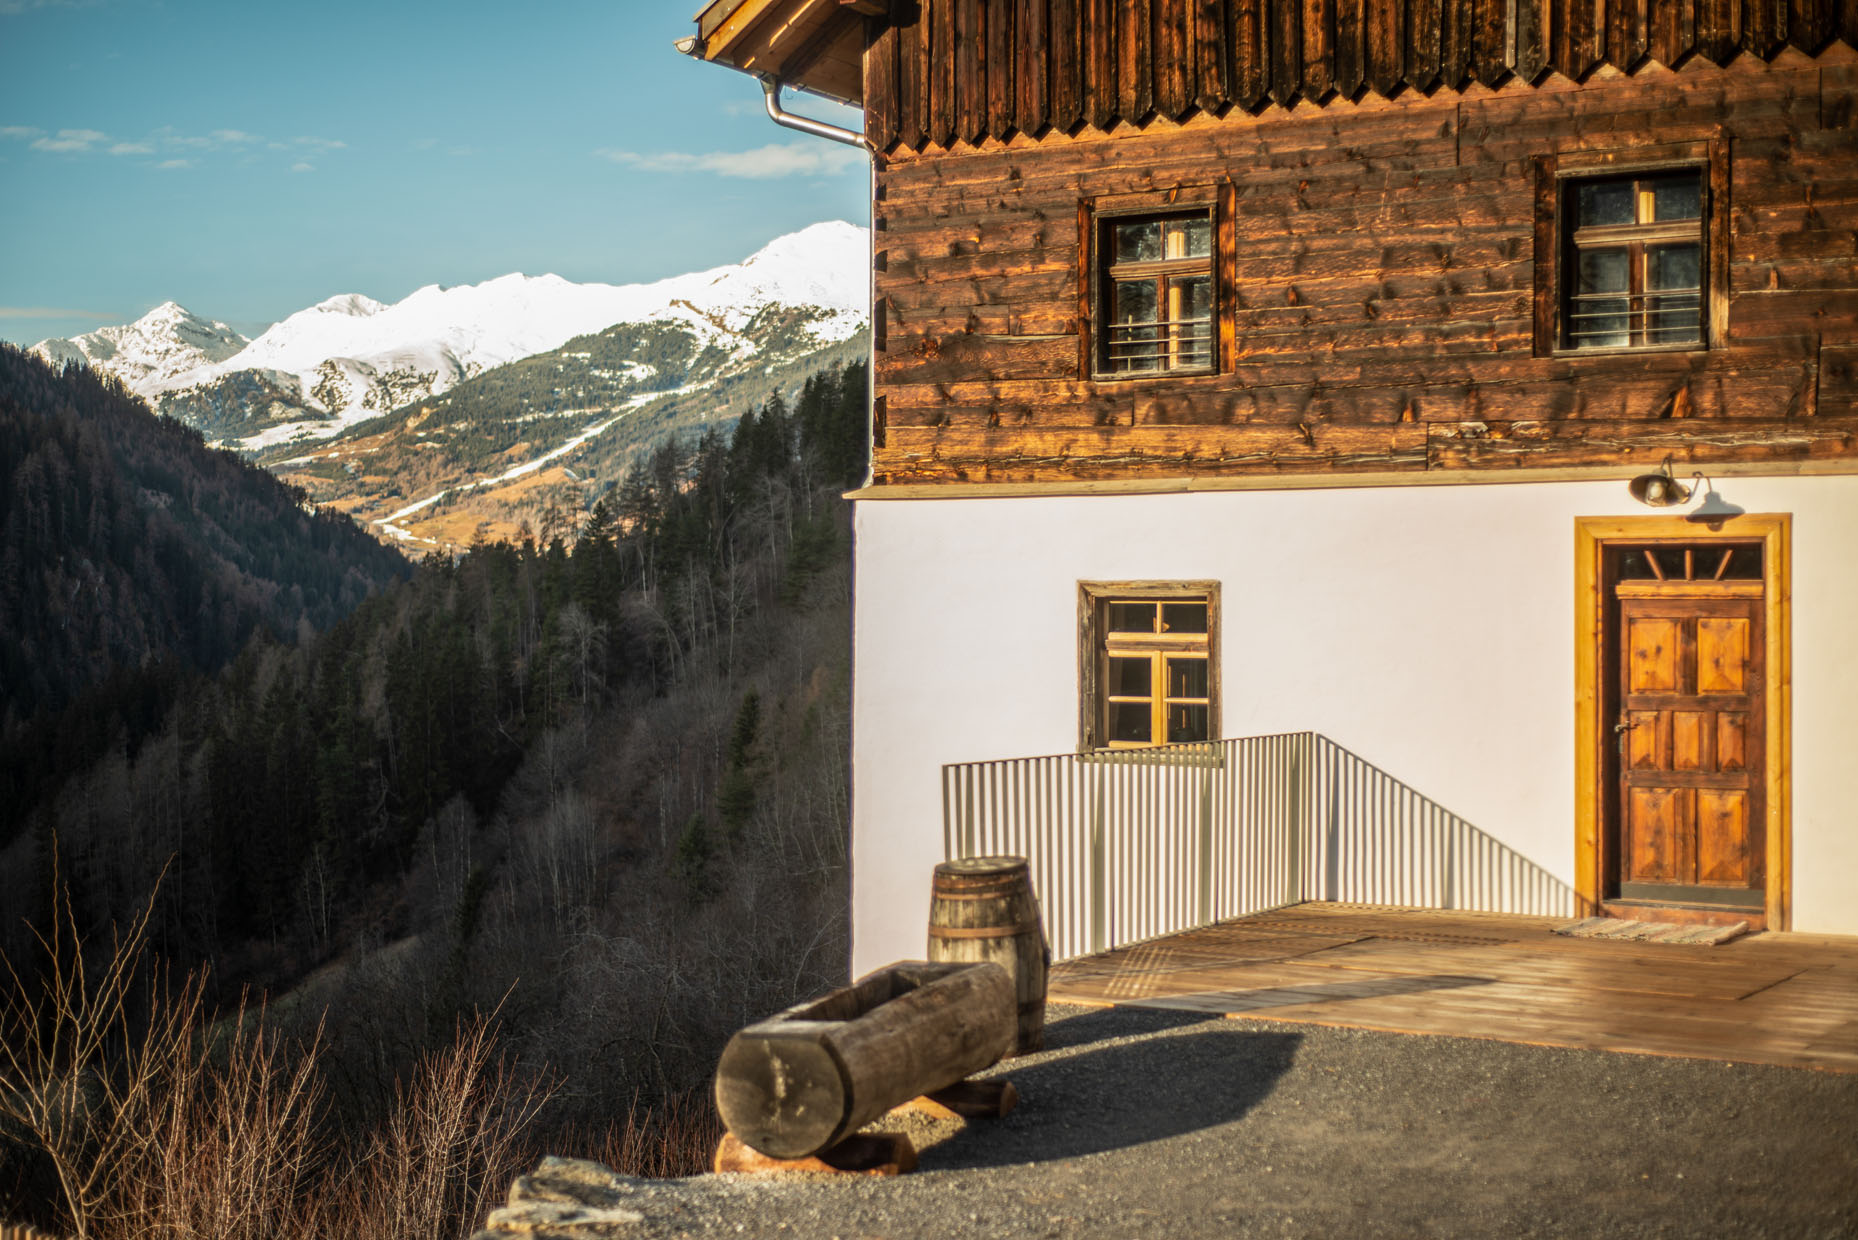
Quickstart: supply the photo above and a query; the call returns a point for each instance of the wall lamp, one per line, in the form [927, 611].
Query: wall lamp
[1660, 490]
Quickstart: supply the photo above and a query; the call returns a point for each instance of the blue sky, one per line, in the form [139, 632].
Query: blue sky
[249, 159]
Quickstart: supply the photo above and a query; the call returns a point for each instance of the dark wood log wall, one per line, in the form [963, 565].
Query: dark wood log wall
[1377, 289]
[951, 71]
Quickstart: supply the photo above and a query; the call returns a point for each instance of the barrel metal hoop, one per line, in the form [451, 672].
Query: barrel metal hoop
[993, 894]
[982, 932]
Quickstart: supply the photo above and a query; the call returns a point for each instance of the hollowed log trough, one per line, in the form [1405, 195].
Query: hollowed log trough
[807, 1078]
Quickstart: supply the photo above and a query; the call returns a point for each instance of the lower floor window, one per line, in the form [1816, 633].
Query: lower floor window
[1148, 667]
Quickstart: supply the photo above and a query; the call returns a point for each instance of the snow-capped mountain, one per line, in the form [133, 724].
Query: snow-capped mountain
[350, 357]
[163, 349]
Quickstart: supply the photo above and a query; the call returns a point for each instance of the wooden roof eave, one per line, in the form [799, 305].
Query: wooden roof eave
[811, 45]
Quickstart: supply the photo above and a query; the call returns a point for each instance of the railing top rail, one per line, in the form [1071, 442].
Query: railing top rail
[1157, 755]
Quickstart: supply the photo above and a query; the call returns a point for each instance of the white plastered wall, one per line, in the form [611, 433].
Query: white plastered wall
[1428, 629]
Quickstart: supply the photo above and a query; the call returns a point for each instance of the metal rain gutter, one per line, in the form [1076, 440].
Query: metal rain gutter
[771, 89]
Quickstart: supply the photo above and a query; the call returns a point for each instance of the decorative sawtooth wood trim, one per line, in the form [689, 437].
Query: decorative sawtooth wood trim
[1031, 65]
[880, 86]
[1386, 45]
[1135, 63]
[1212, 55]
[970, 61]
[941, 71]
[943, 53]
[1174, 59]
[1066, 41]
[1099, 63]
[1002, 116]
[1286, 54]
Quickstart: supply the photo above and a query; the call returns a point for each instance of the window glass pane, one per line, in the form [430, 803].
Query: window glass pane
[1595, 320]
[1186, 678]
[1183, 617]
[1677, 197]
[1131, 721]
[1135, 301]
[1138, 242]
[1187, 723]
[1189, 238]
[1745, 564]
[1603, 202]
[1673, 266]
[1134, 347]
[1132, 617]
[1131, 677]
[1634, 567]
[1194, 296]
[1603, 271]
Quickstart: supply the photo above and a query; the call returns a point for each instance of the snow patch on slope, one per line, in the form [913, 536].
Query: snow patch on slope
[161, 350]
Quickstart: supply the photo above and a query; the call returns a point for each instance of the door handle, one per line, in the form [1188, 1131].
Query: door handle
[1624, 725]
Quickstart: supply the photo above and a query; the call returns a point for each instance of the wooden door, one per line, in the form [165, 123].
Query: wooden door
[1690, 822]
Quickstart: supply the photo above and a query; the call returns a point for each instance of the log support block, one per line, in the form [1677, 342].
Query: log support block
[883, 1153]
[966, 1100]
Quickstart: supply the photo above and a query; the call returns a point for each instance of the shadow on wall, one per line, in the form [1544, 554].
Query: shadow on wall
[1371, 839]
[1180, 1074]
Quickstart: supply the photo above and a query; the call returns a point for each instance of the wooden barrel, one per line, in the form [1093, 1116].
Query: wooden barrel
[984, 909]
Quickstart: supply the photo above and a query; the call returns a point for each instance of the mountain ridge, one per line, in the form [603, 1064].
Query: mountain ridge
[349, 358]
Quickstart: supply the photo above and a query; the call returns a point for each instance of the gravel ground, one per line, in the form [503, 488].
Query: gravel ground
[1138, 1123]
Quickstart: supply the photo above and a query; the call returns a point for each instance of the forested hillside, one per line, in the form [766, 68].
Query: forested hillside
[593, 781]
[129, 550]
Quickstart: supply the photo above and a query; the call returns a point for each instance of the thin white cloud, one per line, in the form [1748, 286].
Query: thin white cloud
[300, 166]
[763, 163]
[13, 8]
[70, 140]
[50, 312]
[181, 149]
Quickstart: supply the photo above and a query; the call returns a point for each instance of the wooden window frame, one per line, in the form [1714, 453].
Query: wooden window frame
[1095, 219]
[1095, 646]
[1556, 247]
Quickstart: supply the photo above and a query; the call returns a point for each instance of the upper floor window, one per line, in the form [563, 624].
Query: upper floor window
[1155, 283]
[1633, 261]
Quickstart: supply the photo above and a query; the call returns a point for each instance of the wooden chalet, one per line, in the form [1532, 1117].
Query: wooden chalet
[1389, 450]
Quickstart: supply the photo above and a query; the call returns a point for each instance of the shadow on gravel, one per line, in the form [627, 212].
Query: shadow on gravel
[1122, 1094]
[1100, 1024]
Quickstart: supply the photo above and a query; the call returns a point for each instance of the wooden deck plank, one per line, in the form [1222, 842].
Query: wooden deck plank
[1790, 1000]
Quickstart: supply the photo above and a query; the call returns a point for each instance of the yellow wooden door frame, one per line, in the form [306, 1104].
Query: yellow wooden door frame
[1591, 735]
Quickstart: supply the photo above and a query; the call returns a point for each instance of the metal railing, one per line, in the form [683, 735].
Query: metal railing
[1161, 344]
[1130, 845]
[1662, 316]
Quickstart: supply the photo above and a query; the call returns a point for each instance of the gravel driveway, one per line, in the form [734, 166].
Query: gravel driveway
[1137, 1123]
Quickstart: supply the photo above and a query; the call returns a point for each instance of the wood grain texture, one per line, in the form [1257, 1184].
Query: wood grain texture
[980, 69]
[1065, 63]
[806, 1078]
[1002, 68]
[1777, 998]
[1032, 62]
[1380, 266]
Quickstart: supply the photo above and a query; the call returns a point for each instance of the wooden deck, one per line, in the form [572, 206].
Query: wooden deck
[1786, 999]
